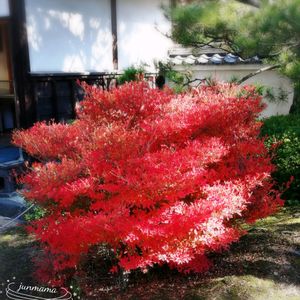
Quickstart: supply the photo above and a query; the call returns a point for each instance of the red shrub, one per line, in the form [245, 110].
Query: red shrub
[161, 178]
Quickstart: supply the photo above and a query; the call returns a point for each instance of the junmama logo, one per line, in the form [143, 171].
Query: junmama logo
[19, 291]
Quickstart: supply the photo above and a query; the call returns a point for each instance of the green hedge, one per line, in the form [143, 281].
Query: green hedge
[286, 131]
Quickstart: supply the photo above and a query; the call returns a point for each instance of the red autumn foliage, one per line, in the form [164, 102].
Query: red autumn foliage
[160, 178]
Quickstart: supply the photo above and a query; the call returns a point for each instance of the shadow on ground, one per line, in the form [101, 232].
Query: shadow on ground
[264, 264]
[16, 252]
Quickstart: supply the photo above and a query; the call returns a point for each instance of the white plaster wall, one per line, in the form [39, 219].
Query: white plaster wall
[69, 35]
[141, 28]
[270, 78]
[4, 8]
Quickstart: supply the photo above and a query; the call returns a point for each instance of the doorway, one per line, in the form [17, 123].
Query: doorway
[7, 97]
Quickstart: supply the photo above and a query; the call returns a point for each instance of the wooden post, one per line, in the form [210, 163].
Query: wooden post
[21, 65]
[114, 30]
[54, 100]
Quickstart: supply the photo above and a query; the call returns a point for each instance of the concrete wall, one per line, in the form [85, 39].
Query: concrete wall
[75, 35]
[69, 35]
[280, 84]
[141, 32]
[4, 8]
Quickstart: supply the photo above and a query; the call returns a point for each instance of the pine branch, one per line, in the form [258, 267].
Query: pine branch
[257, 72]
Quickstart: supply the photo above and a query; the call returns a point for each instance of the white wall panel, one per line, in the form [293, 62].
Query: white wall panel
[69, 35]
[141, 28]
[4, 8]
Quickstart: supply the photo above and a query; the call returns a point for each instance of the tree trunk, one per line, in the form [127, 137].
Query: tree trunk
[264, 69]
[295, 108]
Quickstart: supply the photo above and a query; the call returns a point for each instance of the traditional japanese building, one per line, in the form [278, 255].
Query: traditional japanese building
[46, 45]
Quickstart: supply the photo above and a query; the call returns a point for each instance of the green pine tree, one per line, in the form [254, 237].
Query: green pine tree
[269, 29]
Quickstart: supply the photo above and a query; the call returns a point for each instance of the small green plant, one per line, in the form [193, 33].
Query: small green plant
[210, 81]
[35, 213]
[131, 74]
[282, 95]
[270, 95]
[181, 81]
[234, 79]
[176, 79]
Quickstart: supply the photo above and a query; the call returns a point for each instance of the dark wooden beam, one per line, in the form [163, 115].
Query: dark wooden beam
[173, 3]
[114, 30]
[6, 46]
[54, 100]
[25, 105]
[72, 84]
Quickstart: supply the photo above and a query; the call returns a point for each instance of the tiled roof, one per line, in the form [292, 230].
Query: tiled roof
[212, 59]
